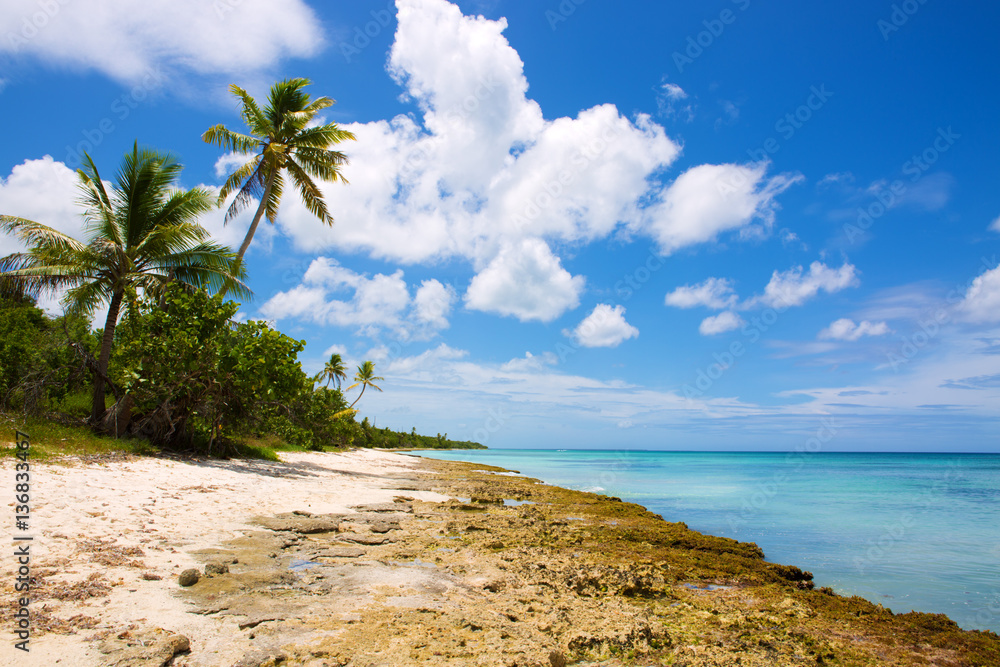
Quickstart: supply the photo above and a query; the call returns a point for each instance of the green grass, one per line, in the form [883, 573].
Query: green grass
[51, 440]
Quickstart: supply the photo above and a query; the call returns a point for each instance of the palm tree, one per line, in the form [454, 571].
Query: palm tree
[366, 378]
[140, 236]
[334, 370]
[281, 141]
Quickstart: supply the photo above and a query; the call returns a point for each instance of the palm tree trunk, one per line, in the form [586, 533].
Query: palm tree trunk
[363, 387]
[97, 409]
[253, 225]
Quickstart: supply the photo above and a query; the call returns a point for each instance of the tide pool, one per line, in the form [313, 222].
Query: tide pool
[909, 531]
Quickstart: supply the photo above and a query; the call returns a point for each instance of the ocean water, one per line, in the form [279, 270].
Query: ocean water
[910, 531]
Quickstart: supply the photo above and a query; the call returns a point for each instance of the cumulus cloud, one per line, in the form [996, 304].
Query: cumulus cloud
[480, 169]
[127, 40]
[480, 166]
[525, 281]
[846, 329]
[44, 191]
[981, 303]
[530, 362]
[721, 323]
[604, 327]
[714, 293]
[381, 302]
[794, 287]
[433, 303]
[709, 200]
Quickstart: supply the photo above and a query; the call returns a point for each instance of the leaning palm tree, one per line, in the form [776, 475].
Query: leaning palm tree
[334, 370]
[366, 378]
[280, 141]
[141, 235]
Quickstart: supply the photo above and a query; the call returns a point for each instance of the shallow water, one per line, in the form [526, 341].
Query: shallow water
[910, 531]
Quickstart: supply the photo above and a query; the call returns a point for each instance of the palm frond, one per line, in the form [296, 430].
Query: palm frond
[274, 199]
[252, 114]
[311, 195]
[234, 142]
[34, 234]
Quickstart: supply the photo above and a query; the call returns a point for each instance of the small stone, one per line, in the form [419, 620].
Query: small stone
[179, 643]
[188, 577]
[557, 659]
[213, 569]
[381, 527]
[149, 576]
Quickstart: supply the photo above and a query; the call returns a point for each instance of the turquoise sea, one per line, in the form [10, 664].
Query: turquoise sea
[910, 531]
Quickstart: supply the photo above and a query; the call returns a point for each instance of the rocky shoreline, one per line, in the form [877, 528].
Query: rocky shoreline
[510, 571]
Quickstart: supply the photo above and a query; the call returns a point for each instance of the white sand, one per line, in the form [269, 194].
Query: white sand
[168, 509]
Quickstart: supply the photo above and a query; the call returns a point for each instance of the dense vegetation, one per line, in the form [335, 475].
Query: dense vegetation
[185, 377]
[181, 372]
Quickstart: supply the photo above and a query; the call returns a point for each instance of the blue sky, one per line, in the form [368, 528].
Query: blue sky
[730, 225]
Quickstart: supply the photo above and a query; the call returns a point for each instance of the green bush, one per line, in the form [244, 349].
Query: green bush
[37, 364]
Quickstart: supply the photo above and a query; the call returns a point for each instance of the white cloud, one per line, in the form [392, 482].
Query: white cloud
[526, 281]
[982, 299]
[721, 323]
[708, 200]
[836, 178]
[531, 362]
[668, 102]
[846, 329]
[714, 293]
[793, 287]
[230, 162]
[378, 303]
[127, 41]
[481, 167]
[334, 349]
[44, 191]
[433, 302]
[995, 225]
[604, 327]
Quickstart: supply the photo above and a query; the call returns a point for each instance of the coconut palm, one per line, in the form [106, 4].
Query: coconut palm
[334, 370]
[366, 378]
[141, 235]
[281, 141]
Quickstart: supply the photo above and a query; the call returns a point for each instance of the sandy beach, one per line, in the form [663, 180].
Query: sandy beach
[368, 559]
[100, 527]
